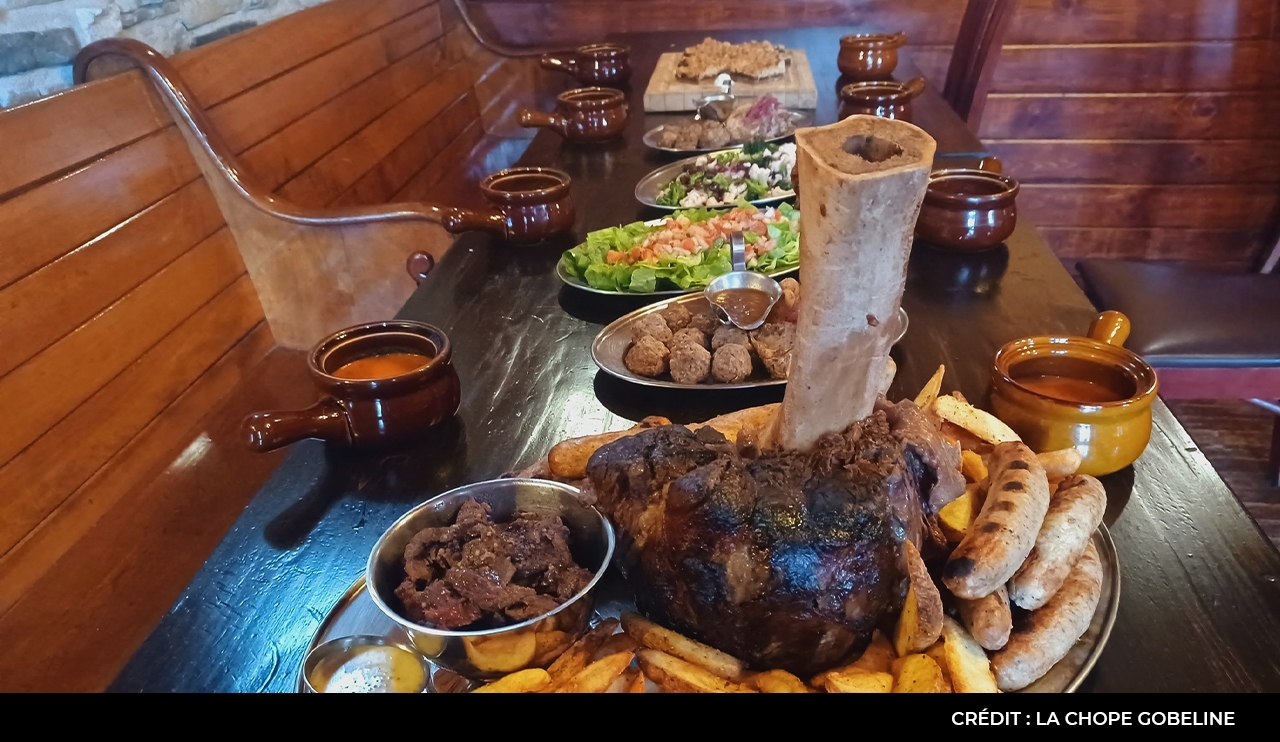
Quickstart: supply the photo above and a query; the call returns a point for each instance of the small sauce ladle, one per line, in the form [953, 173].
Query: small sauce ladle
[761, 292]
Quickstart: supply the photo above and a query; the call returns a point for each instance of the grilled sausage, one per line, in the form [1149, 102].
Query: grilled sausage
[1002, 535]
[1050, 632]
[1074, 514]
[988, 619]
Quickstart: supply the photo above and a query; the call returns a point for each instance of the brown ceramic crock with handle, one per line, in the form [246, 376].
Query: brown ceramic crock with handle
[886, 99]
[1112, 429]
[586, 115]
[529, 204]
[869, 56]
[367, 412]
[594, 64]
[968, 209]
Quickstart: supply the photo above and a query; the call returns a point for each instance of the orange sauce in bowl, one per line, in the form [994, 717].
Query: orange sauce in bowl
[382, 367]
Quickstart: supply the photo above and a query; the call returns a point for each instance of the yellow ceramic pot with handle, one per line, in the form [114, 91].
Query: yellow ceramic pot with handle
[1086, 392]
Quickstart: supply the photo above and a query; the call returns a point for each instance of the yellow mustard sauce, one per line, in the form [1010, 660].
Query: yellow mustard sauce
[369, 669]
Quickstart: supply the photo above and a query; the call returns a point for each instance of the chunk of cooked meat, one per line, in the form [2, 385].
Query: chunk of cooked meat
[772, 344]
[690, 363]
[731, 364]
[654, 325]
[647, 356]
[789, 560]
[690, 335]
[729, 335]
[676, 316]
[705, 321]
[478, 571]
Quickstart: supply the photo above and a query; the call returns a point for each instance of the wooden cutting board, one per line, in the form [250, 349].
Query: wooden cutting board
[795, 89]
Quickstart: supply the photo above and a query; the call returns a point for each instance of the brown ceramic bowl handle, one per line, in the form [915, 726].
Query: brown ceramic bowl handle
[913, 87]
[267, 431]
[566, 63]
[1111, 328]
[466, 220]
[419, 265]
[553, 121]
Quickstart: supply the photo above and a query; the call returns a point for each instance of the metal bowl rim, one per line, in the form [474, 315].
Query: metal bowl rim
[304, 679]
[610, 542]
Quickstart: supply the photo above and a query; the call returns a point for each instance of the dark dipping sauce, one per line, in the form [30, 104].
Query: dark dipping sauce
[1073, 380]
[477, 574]
[743, 306]
[382, 366]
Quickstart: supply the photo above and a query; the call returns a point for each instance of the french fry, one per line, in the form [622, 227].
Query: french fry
[955, 516]
[979, 422]
[877, 657]
[924, 400]
[674, 675]
[568, 459]
[665, 640]
[777, 681]
[964, 439]
[620, 642]
[939, 654]
[918, 673]
[967, 664]
[525, 681]
[550, 645]
[858, 681]
[927, 608]
[972, 466]
[635, 681]
[577, 656]
[501, 652]
[1060, 464]
[908, 626]
[599, 675]
[752, 420]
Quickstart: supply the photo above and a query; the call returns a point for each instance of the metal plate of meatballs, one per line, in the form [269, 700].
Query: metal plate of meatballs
[670, 364]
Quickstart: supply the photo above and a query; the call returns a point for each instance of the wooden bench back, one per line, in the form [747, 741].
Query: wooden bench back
[126, 314]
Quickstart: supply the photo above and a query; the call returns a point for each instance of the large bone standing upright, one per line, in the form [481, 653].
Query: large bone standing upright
[861, 181]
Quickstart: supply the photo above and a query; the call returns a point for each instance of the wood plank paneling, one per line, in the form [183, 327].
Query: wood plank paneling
[1227, 248]
[423, 185]
[101, 427]
[1188, 207]
[65, 374]
[925, 21]
[46, 305]
[1205, 162]
[1133, 116]
[105, 192]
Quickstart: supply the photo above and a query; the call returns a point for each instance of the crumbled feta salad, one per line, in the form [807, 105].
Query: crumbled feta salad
[757, 171]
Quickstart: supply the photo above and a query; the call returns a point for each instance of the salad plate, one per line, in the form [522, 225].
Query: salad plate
[683, 252]
[757, 173]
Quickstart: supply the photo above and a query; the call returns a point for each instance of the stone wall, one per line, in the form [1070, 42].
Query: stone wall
[39, 38]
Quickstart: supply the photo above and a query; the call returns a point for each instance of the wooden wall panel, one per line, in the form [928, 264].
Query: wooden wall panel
[1142, 129]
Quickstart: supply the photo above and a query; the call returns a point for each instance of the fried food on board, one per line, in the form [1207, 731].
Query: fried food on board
[918, 673]
[532, 680]
[972, 466]
[858, 681]
[777, 681]
[1075, 511]
[921, 621]
[1051, 631]
[674, 675]
[665, 640]
[927, 395]
[576, 658]
[988, 619]
[1005, 531]
[755, 59]
[598, 676]
[983, 424]
[967, 665]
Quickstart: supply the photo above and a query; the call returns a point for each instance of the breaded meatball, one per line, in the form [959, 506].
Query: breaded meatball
[677, 317]
[653, 325]
[705, 321]
[731, 364]
[647, 356]
[690, 363]
[729, 335]
[772, 344]
[691, 335]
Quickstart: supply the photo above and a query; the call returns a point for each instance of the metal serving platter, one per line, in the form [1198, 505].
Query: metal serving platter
[653, 136]
[613, 341]
[355, 613]
[651, 185]
[569, 280]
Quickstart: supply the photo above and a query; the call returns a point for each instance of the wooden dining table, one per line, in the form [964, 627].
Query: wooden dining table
[1199, 606]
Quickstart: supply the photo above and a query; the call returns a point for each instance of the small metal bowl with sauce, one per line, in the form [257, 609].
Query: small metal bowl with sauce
[364, 664]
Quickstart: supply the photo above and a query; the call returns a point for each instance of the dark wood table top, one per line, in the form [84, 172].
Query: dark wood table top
[1200, 602]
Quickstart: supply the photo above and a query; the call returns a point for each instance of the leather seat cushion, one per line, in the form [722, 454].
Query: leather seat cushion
[1191, 317]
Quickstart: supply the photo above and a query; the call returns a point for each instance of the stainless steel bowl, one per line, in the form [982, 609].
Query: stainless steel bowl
[491, 653]
[337, 648]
